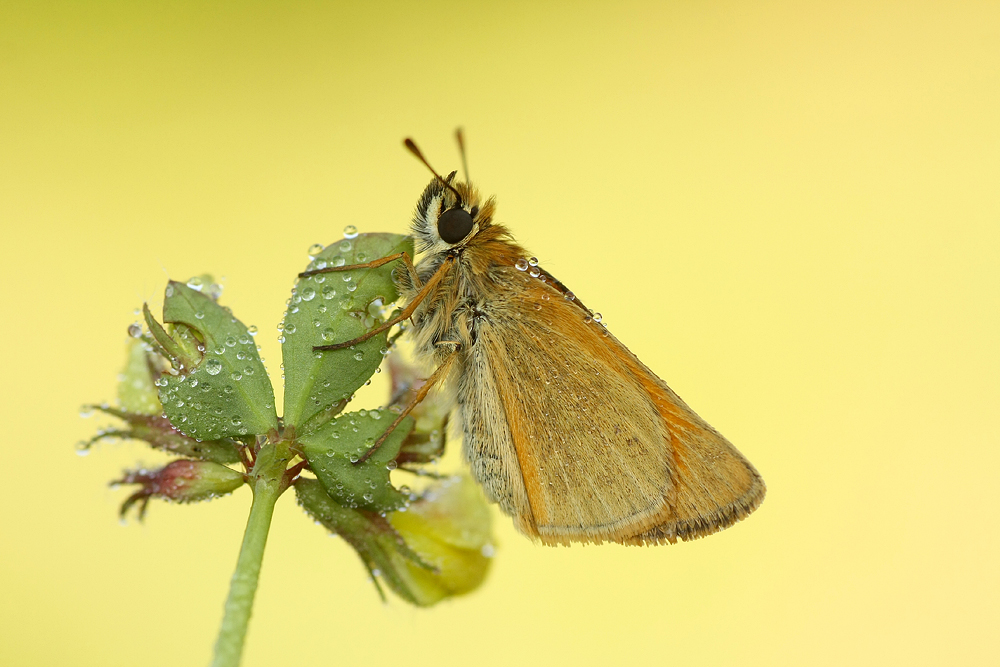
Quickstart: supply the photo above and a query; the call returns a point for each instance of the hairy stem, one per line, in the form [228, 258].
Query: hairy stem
[267, 486]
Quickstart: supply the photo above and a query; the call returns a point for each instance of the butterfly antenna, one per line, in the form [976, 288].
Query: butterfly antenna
[460, 138]
[412, 147]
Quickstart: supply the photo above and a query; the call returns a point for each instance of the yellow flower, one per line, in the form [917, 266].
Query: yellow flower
[449, 528]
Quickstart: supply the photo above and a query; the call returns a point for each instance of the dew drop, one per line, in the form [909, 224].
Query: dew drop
[358, 356]
[315, 249]
[329, 292]
[338, 261]
[533, 261]
[289, 329]
[521, 265]
[327, 335]
[134, 330]
[199, 315]
[534, 272]
[230, 341]
[308, 294]
[598, 317]
[252, 329]
[350, 232]
[213, 366]
[345, 246]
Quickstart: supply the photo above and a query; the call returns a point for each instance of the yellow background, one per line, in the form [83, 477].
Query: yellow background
[789, 210]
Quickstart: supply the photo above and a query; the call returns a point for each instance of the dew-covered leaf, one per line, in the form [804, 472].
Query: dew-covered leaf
[159, 433]
[332, 308]
[227, 393]
[380, 547]
[333, 449]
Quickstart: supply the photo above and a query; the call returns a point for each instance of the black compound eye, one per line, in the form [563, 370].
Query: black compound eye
[454, 225]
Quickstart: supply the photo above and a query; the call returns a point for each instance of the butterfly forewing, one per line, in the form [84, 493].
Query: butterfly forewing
[605, 450]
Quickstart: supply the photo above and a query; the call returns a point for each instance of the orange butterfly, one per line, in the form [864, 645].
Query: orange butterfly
[565, 429]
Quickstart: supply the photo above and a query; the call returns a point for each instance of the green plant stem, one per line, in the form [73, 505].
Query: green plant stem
[267, 488]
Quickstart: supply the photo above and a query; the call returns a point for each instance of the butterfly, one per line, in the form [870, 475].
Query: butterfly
[564, 428]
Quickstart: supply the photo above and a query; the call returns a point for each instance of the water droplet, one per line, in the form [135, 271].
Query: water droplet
[252, 329]
[328, 335]
[87, 412]
[353, 458]
[230, 341]
[199, 315]
[213, 366]
[358, 356]
[598, 317]
[248, 370]
[369, 497]
[329, 292]
[345, 246]
[236, 421]
[521, 265]
[315, 249]
[375, 414]
[391, 465]
[236, 375]
[319, 278]
[534, 272]
[82, 448]
[308, 294]
[338, 261]
[533, 261]
[350, 232]
[588, 319]
[170, 290]
[570, 296]
[134, 330]
[289, 329]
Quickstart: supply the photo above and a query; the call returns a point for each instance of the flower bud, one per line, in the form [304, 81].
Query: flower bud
[449, 528]
[182, 481]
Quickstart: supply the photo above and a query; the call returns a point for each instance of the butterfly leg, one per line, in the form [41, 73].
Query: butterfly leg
[407, 312]
[440, 372]
[374, 264]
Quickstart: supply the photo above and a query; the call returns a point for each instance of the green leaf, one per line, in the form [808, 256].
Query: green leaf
[227, 393]
[332, 308]
[136, 391]
[159, 433]
[333, 449]
[372, 536]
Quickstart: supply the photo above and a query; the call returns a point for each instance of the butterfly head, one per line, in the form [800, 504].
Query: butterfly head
[449, 215]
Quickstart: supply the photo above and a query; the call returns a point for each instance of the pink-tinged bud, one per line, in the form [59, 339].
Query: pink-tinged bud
[182, 481]
[449, 528]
